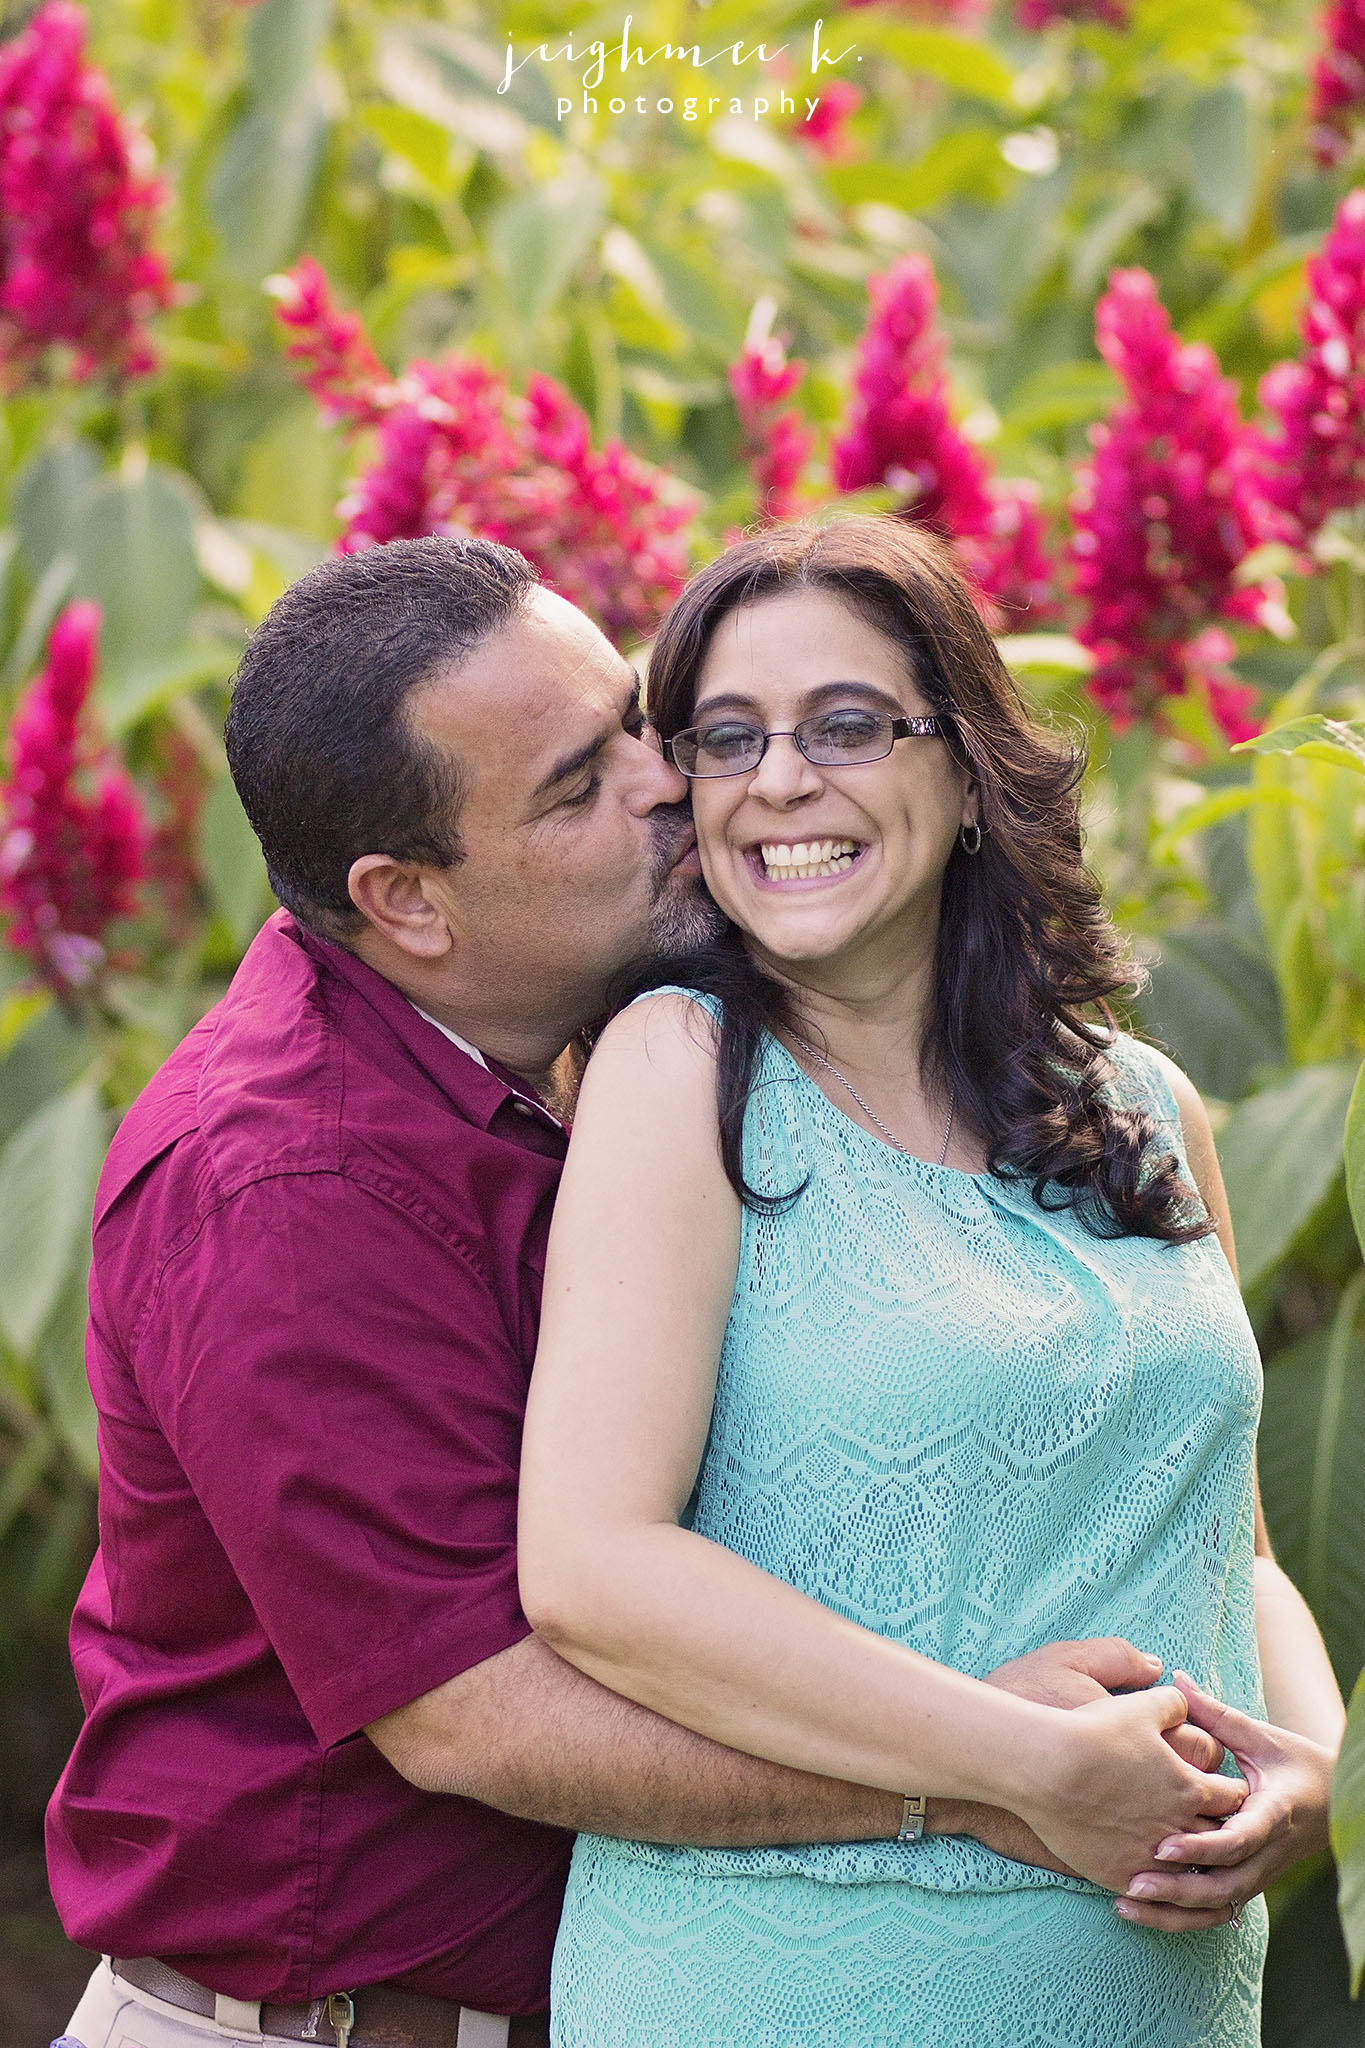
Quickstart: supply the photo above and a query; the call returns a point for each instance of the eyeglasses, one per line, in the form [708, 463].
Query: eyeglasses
[832, 739]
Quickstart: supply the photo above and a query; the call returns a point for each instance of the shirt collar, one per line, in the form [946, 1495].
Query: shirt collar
[479, 1090]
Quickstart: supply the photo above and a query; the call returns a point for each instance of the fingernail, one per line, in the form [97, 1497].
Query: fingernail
[1141, 1888]
[1167, 1853]
[1122, 1906]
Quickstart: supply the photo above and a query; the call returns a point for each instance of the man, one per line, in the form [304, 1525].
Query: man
[323, 1786]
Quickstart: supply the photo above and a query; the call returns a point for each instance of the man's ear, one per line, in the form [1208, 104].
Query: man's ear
[400, 900]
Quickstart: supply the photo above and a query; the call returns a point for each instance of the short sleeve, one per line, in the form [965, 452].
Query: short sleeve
[337, 1382]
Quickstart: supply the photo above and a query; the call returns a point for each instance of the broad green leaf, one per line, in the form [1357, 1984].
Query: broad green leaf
[1060, 395]
[1220, 315]
[1312, 1463]
[1214, 1002]
[263, 179]
[696, 297]
[1338, 741]
[1096, 247]
[50, 501]
[20, 1008]
[138, 688]
[40, 613]
[1355, 1156]
[48, 1172]
[422, 144]
[966, 161]
[1306, 1998]
[968, 67]
[61, 1369]
[1348, 1835]
[538, 239]
[135, 556]
[1281, 1153]
[1223, 167]
[1056, 652]
[233, 864]
[450, 78]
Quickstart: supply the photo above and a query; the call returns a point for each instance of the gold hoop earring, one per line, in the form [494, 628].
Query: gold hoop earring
[969, 838]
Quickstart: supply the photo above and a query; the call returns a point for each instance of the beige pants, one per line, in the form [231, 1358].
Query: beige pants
[115, 2014]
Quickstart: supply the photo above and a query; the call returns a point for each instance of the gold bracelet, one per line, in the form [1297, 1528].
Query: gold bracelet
[912, 1817]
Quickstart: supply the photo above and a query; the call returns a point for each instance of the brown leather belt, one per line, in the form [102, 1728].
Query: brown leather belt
[385, 2017]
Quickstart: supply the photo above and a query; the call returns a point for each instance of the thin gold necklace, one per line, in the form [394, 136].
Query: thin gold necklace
[871, 1114]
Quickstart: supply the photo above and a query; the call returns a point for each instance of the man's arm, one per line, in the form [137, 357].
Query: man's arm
[529, 1734]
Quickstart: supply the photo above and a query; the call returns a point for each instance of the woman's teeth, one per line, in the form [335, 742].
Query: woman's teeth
[811, 857]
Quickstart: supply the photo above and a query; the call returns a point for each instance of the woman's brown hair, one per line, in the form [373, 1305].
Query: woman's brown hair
[1028, 960]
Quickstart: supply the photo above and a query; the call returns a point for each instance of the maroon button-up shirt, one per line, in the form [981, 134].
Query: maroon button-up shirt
[319, 1242]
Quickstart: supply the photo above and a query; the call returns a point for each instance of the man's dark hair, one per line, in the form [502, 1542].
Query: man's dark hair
[324, 756]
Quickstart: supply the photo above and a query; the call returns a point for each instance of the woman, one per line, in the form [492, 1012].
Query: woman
[885, 1340]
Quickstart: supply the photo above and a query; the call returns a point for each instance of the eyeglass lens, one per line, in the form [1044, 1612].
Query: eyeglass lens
[832, 737]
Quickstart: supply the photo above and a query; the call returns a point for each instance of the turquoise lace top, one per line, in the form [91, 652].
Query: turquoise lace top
[968, 1423]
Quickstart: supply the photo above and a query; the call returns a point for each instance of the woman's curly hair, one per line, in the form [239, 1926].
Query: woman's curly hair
[1028, 960]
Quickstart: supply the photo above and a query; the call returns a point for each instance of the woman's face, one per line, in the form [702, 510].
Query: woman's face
[878, 834]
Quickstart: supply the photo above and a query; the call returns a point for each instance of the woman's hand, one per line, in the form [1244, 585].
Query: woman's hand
[1110, 1777]
[1283, 1817]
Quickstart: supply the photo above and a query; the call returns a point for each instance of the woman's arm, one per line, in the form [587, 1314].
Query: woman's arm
[1289, 1760]
[640, 1273]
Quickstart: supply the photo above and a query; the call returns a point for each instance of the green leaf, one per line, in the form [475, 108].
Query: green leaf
[421, 143]
[1348, 1835]
[261, 185]
[1338, 741]
[968, 67]
[1056, 653]
[967, 161]
[1060, 395]
[234, 866]
[50, 501]
[143, 686]
[61, 1369]
[538, 239]
[1281, 1153]
[1312, 1463]
[1222, 160]
[1214, 1002]
[1355, 1156]
[135, 557]
[25, 657]
[48, 1172]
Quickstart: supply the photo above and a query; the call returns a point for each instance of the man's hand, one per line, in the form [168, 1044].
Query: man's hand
[1206, 1877]
[1069, 1674]
[1074, 1674]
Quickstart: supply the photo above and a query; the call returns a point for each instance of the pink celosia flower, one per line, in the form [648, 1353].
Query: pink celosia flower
[77, 211]
[182, 784]
[340, 368]
[75, 836]
[900, 430]
[1038, 14]
[777, 441]
[1310, 460]
[825, 132]
[1232, 702]
[1165, 512]
[1338, 100]
[1010, 562]
[458, 452]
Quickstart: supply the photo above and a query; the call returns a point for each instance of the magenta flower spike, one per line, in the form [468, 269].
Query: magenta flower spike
[777, 440]
[1309, 458]
[1338, 79]
[825, 132]
[74, 837]
[900, 430]
[458, 452]
[77, 211]
[1164, 513]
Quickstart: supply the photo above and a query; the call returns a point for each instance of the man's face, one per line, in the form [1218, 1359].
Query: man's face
[579, 853]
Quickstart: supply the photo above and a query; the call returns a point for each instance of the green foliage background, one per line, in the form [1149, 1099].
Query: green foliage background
[623, 254]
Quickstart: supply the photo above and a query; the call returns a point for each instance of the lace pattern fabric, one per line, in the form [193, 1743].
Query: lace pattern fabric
[964, 1421]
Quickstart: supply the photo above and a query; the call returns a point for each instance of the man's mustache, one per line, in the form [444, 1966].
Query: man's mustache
[673, 834]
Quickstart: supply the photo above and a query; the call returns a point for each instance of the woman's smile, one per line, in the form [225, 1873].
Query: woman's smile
[781, 863]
